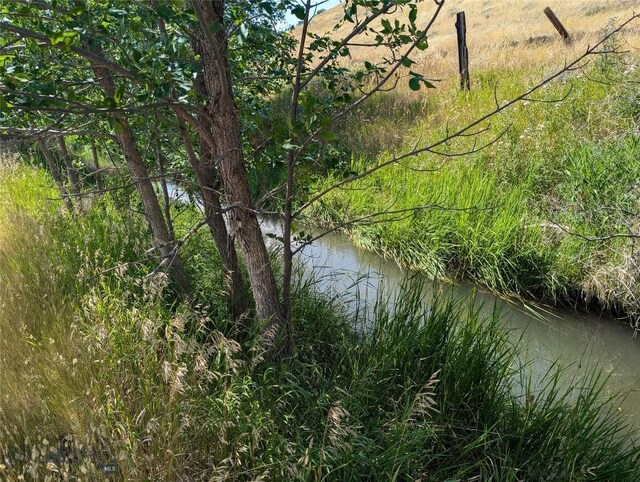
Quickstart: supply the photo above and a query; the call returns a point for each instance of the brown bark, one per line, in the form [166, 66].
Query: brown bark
[208, 183]
[55, 173]
[164, 242]
[72, 172]
[228, 151]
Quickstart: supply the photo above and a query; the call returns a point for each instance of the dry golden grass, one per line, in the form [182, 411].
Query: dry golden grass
[502, 34]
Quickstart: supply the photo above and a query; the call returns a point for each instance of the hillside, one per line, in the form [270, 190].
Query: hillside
[502, 34]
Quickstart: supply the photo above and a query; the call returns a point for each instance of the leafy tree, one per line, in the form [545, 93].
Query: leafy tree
[211, 69]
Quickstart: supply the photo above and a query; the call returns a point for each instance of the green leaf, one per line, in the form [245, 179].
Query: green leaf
[66, 38]
[414, 83]
[118, 94]
[386, 26]
[275, 236]
[350, 12]
[4, 105]
[143, 98]
[327, 136]
[413, 14]
[21, 77]
[164, 11]
[407, 62]
[117, 127]
[299, 11]
[77, 10]
[4, 59]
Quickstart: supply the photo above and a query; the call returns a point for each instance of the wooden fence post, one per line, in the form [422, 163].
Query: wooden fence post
[557, 24]
[463, 53]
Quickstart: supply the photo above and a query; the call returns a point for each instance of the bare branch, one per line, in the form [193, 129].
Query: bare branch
[47, 132]
[357, 30]
[608, 237]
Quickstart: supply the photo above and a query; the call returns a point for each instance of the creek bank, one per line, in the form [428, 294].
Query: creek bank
[573, 298]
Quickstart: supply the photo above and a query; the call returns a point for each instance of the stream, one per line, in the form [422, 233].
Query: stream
[581, 342]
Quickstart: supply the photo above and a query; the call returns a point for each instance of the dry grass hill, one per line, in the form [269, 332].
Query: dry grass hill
[509, 34]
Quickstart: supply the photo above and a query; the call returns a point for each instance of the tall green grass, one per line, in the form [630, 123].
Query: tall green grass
[99, 365]
[520, 215]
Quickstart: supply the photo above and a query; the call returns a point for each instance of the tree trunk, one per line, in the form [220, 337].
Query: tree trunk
[165, 189]
[223, 118]
[72, 172]
[208, 183]
[164, 242]
[97, 174]
[55, 173]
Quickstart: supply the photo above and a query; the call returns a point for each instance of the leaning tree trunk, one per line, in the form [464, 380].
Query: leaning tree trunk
[208, 183]
[164, 242]
[223, 118]
[55, 173]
